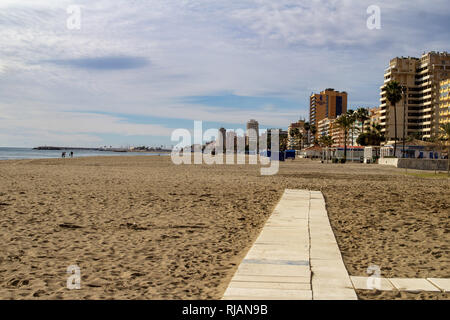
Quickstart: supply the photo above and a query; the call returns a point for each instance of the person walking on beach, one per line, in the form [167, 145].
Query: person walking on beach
[63, 155]
[71, 154]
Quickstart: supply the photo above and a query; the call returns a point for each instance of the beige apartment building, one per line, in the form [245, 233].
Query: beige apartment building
[374, 117]
[337, 134]
[421, 77]
[328, 127]
[444, 102]
[324, 127]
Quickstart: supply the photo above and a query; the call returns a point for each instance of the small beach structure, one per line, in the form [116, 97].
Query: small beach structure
[413, 149]
[290, 154]
[371, 154]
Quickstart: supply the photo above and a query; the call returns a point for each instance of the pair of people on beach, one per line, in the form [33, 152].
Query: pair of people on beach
[63, 155]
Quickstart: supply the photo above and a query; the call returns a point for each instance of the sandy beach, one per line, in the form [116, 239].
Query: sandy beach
[143, 228]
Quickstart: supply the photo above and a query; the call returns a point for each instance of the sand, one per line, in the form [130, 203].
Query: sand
[143, 228]
[401, 295]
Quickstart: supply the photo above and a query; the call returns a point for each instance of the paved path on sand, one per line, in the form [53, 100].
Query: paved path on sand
[295, 257]
[402, 284]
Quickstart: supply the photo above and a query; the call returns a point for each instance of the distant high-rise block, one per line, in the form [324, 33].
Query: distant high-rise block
[326, 104]
[222, 140]
[252, 133]
[231, 141]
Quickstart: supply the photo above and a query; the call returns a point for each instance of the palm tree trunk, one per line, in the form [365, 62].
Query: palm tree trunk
[353, 133]
[395, 131]
[345, 146]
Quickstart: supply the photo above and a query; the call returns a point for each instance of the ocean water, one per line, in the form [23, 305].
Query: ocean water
[27, 153]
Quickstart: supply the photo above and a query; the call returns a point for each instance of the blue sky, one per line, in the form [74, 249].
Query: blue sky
[137, 70]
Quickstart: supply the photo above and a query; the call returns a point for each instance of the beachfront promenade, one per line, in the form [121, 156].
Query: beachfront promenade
[295, 257]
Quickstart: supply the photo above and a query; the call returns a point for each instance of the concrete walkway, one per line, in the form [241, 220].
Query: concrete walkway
[403, 284]
[295, 257]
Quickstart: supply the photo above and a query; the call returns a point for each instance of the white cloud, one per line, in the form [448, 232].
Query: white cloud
[254, 48]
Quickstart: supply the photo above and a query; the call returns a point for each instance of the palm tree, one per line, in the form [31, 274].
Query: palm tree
[351, 113]
[313, 130]
[370, 138]
[376, 127]
[326, 141]
[283, 143]
[362, 115]
[445, 128]
[307, 127]
[297, 136]
[345, 122]
[292, 133]
[394, 95]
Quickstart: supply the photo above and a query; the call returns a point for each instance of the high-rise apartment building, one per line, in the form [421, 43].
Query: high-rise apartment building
[252, 124]
[421, 77]
[326, 104]
[231, 141]
[252, 132]
[444, 102]
[221, 141]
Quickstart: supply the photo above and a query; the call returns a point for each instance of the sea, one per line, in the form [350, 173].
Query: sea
[28, 153]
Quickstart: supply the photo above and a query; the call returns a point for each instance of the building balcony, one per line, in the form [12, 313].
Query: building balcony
[425, 77]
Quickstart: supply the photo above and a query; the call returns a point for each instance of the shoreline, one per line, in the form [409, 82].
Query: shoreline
[76, 156]
[90, 149]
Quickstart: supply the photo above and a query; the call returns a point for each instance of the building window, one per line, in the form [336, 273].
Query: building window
[338, 106]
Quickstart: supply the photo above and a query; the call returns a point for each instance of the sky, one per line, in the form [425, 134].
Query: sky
[136, 70]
